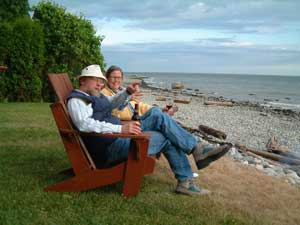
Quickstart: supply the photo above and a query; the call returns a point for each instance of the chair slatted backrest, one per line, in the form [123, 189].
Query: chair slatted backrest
[74, 146]
[61, 84]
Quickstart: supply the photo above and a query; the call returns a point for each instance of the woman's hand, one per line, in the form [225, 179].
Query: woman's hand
[133, 87]
[136, 97]
[170, 111]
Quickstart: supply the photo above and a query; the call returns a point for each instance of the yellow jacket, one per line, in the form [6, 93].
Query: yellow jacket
[126, 113]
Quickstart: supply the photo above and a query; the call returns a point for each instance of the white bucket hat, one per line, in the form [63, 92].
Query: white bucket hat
[92, 71]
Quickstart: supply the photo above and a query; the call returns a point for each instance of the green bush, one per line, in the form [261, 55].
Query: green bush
[53, 41]
[71, 42]
[25, 59]
[12, 9]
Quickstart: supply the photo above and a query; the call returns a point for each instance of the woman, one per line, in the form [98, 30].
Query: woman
[114, 76]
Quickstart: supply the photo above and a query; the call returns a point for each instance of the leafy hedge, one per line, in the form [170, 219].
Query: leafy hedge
[25, 58]
[53, 41]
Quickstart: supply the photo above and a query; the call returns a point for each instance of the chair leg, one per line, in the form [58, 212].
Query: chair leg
[134, 167]
[90, 179]
[149, 165]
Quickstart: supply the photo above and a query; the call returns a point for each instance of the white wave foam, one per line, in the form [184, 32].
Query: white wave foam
[284, 105]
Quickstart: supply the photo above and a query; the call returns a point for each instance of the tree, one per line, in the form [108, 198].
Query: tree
[25, 59]
[53, 41]
[12, 9]
[71, 42]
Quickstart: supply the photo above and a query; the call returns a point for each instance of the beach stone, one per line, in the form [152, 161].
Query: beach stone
[232, 152]
[279, 170]
[250, 160]
[291, 181]
[259, 167]
[287, 171]
[238, 156]
[270, 172]
[257, 160]
[245, 162]
[293, 174]
[296, 169]
[266, 165]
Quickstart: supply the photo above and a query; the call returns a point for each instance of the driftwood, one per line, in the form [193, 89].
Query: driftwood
[213, 132]
[206, 136]
[189, 129]
[275, 163]
[269, 155]
[229, 104]
[182, 101]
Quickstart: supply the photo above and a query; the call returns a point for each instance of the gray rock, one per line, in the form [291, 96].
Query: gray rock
[293, 174]
[259, 167]
[291, 181]
[270, 172]
[296, 169]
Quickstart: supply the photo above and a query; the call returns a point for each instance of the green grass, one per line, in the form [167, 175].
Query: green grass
[32, 154]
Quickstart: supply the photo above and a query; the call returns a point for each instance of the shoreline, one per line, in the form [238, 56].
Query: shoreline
[245, 123]
[258, 106]
[242, 121]
[281, 94]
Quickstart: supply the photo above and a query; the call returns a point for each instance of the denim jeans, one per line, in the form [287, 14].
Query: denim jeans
[166, 137]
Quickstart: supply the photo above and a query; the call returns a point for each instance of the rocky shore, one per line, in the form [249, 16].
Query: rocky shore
[246, 123]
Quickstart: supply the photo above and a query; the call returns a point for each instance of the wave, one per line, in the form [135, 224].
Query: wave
[284, 105]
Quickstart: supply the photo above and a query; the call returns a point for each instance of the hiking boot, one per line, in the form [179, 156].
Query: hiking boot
[188, 187]
[204, 154]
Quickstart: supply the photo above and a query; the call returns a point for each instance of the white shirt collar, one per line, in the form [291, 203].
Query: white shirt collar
[82, 92]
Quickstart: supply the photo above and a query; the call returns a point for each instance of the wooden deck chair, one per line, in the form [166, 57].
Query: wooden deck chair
[86, 174]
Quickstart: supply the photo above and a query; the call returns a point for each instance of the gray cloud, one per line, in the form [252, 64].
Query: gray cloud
[256, 16]
[220, 55]
[195, 57]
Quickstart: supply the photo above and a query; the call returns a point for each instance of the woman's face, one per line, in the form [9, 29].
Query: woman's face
[115, 80]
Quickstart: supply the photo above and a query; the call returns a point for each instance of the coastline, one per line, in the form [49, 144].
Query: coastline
[247, 123]
[252, 104]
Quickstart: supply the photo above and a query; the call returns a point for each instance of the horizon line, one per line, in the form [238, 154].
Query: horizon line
[216, 73]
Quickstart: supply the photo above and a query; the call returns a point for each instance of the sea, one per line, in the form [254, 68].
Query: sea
[276, 91]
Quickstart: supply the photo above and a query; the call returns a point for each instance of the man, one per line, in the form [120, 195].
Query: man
[91, 112]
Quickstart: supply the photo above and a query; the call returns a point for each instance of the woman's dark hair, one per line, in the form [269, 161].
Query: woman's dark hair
[112, 69]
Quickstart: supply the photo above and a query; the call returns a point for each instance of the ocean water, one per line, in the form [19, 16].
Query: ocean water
[277, 91]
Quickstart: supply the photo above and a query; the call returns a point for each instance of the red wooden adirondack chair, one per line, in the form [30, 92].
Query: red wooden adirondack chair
[87, 175]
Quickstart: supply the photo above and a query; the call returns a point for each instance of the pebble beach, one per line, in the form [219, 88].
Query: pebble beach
[244, 123]
[249, 125]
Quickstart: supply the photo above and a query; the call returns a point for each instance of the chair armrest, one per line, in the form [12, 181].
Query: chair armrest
[138, 151]
[144, 135]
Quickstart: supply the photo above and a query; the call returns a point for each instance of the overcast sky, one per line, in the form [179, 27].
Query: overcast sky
[208, 36]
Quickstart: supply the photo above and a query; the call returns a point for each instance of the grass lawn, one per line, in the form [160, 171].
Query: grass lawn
[32, 154]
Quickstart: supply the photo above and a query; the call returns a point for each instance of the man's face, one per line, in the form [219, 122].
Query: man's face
[115, 80]
[92, 85]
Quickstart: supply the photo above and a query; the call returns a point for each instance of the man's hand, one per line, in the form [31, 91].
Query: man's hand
[132, 127]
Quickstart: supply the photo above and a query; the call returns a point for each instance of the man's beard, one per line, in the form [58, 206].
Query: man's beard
[94, 92]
